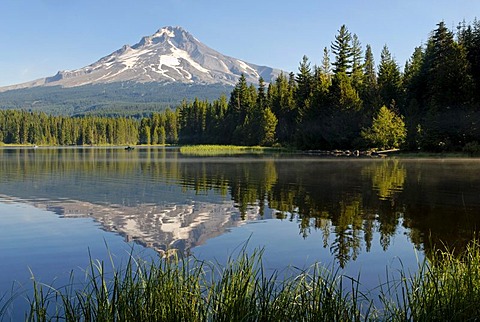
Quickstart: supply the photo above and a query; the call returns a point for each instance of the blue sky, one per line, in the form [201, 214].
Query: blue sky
[40, 37]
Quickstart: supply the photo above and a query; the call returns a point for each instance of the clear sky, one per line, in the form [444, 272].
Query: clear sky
[40, 37]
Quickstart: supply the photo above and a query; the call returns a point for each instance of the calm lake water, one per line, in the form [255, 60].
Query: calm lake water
[60, 206]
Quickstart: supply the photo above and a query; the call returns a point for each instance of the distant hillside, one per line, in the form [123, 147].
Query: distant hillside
[127, 98]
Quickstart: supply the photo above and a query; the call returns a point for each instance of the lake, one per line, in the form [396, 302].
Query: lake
[61, 206]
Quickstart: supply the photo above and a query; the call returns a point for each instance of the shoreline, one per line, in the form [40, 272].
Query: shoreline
[213, 148]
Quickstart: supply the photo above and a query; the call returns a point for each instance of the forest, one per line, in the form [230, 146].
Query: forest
[348, 102]
[111, 99]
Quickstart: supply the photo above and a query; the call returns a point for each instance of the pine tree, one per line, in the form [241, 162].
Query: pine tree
[241, 104]
[340, 124]
[161, 134]
[261, 95]
[469, 39]
[369, 89]
[357, 66]
[267, 127]
[282, 102]
[389, 79]
[171, 127]
[414, 83]
[303, 93]
[449, 81]
[342, 49]
[448, 91]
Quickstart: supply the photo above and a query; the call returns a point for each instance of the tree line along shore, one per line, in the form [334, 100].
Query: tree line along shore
[347, 102]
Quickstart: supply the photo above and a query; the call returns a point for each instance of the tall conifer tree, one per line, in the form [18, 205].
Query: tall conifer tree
[369, 89]
[342, 49]
[389, 79]
[357, 64]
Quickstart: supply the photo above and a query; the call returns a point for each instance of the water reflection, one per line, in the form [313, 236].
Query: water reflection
[388, 178]
[163, 199]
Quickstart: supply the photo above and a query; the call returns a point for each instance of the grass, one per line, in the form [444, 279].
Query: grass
[214, 150]
[447, 288]
[171, 289]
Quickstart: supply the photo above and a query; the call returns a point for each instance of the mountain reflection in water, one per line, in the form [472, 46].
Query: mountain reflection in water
[163, 199]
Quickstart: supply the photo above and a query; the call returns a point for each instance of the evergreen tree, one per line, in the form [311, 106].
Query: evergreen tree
[161, 134]
[369, 89]
[448, 94]
[357, 65]
[326, 67]
[414, 83]
[342, 49]
[215, 121]
[242, 101]
[323, 75]
[303, 93]
[413, 79]
[171, 127]
[389, 79]
[344, 95]
[449, 82]
[262, 94]
[268, 126]
[282, 102]
[469, 40]
[340, 124]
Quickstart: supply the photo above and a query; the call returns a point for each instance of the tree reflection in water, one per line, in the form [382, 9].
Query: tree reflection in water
[350, 207]
[349, 201]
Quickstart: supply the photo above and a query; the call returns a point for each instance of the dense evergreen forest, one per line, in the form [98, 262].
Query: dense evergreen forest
[347, 102]
[112, 99]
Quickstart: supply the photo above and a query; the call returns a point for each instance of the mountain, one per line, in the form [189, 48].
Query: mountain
[158, 72]
[171, 55]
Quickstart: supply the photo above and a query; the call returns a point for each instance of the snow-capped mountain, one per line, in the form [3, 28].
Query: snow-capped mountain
[170, 55]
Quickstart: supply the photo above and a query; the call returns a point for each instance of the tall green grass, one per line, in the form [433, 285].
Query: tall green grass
[444, 288]
[193, 290]
[213, 150]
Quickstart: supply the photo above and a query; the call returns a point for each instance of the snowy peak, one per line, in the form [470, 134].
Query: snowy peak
[164, 35]
[169, 55]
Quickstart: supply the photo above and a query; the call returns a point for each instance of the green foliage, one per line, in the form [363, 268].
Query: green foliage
[342, 123]
[387, 131]
[115, 99]
[389, 79]
[303, 90]
[172, 289]
[445, 287]
[342, 49]
[472, 148]
[344, 95]
[28, 128]
[282, 104]
[210, 150]
[316, 108]
[267, 128]
[449, 82]
[357, 65]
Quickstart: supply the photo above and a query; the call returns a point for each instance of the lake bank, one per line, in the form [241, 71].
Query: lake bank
[447, 287]
[214, 150]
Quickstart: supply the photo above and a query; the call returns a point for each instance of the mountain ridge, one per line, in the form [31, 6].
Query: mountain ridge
[170, 55]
